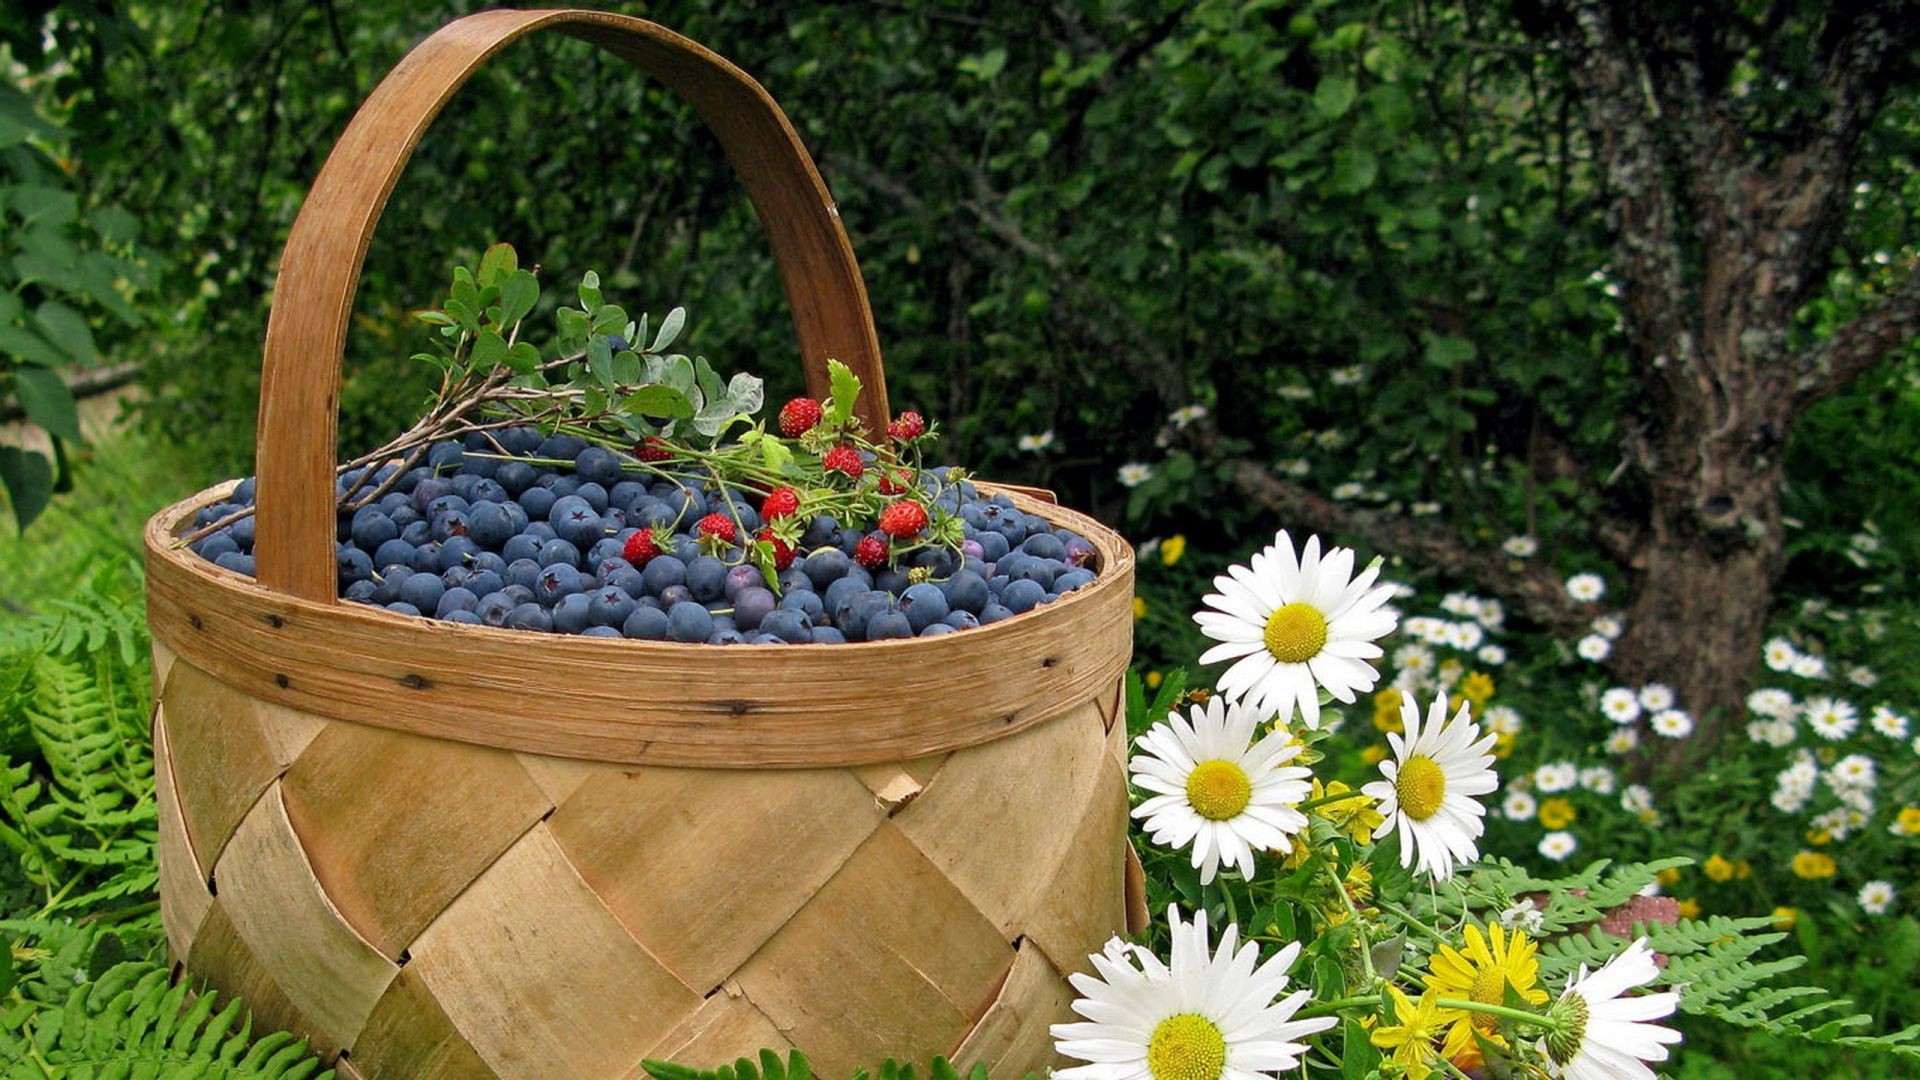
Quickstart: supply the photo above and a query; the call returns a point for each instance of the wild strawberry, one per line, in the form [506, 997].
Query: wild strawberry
[640, 548]
[871, 552]
[717, 526]
[782, 551]
[906, 427]
[653, 448]
[895, 482]
[781, 502]
[903, 519]
[798, 416]
[844, 459]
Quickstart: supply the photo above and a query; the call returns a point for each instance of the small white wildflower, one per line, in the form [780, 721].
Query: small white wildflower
[1503, 720]
[1424, 509]
[1622, 739]
[1413, 657]
[1348, 491]
[1523, 916]
[1609, 627]
[1520, 547]
[1593, 647]
[1888, 723]
[1636, 798]
[1775, 733]
[1491, 655]
[1656, 696]
[1788, 802]
[1557, 845]
[1809, 666]
[1831, 718]
[1519, 806]
[1347, 376]
[1672, 723]
[1458, 603]
[1876, 897]
[1033, 444]
[1854, 770]
[1295, 467]
[1586, 588]
[1620, 705]
[1780, 654]
[1465, 636]
[1771, 701]
[1295, 392]
[1556, 776]
[1135, 473]
[1187, 414]
[1331, 439]
[1492, 614]
[1598, 779]
[1865, 542]
[1861, 675]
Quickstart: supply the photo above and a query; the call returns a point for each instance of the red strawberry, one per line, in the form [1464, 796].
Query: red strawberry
[782, 551]
[895, 482]
[871, 552]
[640, 548]
[781, 502]
[903, 519]
[798, 416]
[653, 448]
[844, 459]
[719, 526]
[907, 427]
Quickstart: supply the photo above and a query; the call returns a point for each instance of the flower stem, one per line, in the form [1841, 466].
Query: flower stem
[1328, 1008]
[1324, 800]
[1525, 1017]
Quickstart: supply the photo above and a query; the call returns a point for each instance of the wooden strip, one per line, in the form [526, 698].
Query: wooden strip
[163, 659]
[320, 267]
[888, 960]
[725, 1028]
[224, 960]
[222, 760]
[1012, 1038]
[184, 898]
[1085, 903]
[702, 865]
[1138, 917]
[895, 783]
[408, 1037]
[995, 818]
[329, 973]
[765, 706]
[391, 850]
[557, 778]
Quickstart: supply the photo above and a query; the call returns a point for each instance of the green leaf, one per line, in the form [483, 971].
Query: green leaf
[1334, 96]
[523, 357]
[28, 477]
[1448, 352]
[518, 294]
[500, 259]
[1354, 169]
[987, 66]
[658, 400]
[846, 391]
[574, 329]
[489, 351]
[669, 330]
[590, 290]
[47, 401]
[609, 319]
[28, 347]
[68, 329]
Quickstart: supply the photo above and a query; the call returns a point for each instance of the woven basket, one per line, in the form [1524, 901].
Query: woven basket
[445, 850]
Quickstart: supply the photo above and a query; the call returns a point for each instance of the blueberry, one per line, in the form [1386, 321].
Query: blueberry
[937, 559]
[565, 447]
[537, 502]
[965, 591]
[454, 600]
[487, 560]
[675, 594]
[853, 614]
[595, 494]
[600, 631]
[727, 637]
[243, 491]
[456, 576]
[519, 440]
[572, 614]
[742, 577]
[393, 551]
[530, 617]
[561, 486]
[449, 524]
[937, 629]
[1035, 569]
[559, 553]
[540, 531]
[372, 527]
[519, 594]
[962, 620]
[827, 635]
[598, 465]
[445, 504]
[889, 624]
[485, 581]
[457, 551]
[416, 532]
[806, 601]
[706, 578]
[690, 622]
[555, 582]
[793, 627]
[627, 580]
[893, 581]
[515, 477]
[1071, 580]
[444, 456]
[1044, 545]
[494, 608]
[821, 531]
[523, 572]
[651, 513]
[607, 549]
[401, 607]
[485, 490]
[840, 592]
[688, 506]
[524, 547]
[826, 566]
[924, 604]
[662, 571]
[489, 525]
[993, 546]
[212, 547]
[647, 624]
[1023, 594]
[751, 605]
[610, 606]
[361, 592]
[970, 549]
[993, 613]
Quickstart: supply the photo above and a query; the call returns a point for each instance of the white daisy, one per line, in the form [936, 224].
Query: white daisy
[1556, 776]
[1609, 626]
[1586, 588]
[1465, 636]
[1656, 696]
[1213, 787]
[1865, 541]
[1771, 701]
[1809, 666]
[1492, 614]
[1620, 705]
[1519, 806]
[1035, 443]
[1295, 467]
[1431, 781]
[1135, 473]
[1293, 627]
[1187, 414]
[1788, 802]
[1503, 720]
[1888, 723]
[1593, 647]
[1205, 1016]
[1492, 655]
[1294, 392]
[1424, 509]
[1347, 376]
[1605, 1035]
[1599, 779]
[1672, 723]
[1876, 897]
[1622, 739]
[1854, 770]
[1775, 733]
[1861, 675]
[1348, 490]
[1831, 718]
[1523, 916]
[1520, 547]
[1636, 799]
[1413, 658]
[1780, 654]
[1558, 845]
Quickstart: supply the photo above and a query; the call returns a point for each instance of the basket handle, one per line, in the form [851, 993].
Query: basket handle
[320, 268]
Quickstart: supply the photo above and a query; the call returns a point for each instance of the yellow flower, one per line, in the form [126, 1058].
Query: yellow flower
[1669, 877]
[1374, 755]
[1172, 548]
[1819, 837]
[1411, 1040]
[1139, 607]
[1743, 870]
[1492, 965]
[1449, 671]
[1907, 821]
[1477, 688]
[1689, 908]
[1557, 813]
[1154, 679]
[1355, 817]
[1386, 710]
[1812, 864]
[1784, 918]
[1295, 859]
[1717, 868]
[1503, 744]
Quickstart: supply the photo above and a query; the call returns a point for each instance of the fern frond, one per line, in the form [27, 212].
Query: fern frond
[796, 1067]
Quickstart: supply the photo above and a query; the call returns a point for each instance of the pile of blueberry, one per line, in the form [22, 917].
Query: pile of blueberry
[502, 542]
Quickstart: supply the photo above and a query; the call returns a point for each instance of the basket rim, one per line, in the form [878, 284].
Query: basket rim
[367, 665]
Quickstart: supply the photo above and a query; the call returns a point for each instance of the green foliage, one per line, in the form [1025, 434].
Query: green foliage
[796, 1067]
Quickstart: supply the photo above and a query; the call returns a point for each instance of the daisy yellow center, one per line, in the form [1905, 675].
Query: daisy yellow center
[1422, 786]
[1489, 988]
[1187, 1047]
[1218, 790]
[1296, 633]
